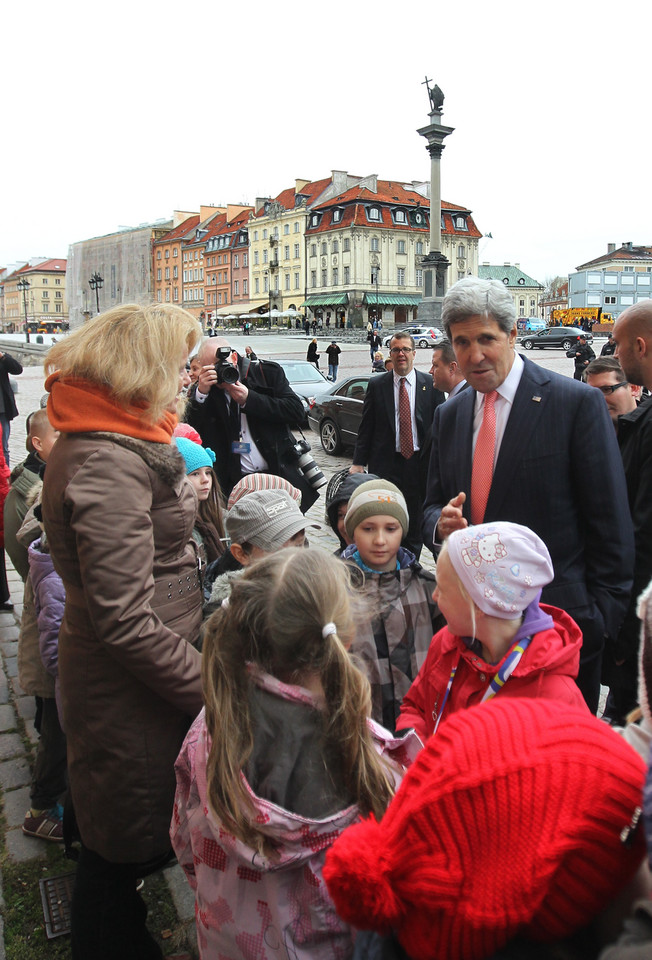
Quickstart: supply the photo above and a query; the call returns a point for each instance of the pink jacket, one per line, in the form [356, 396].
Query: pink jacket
[247, 905]
[547, 669]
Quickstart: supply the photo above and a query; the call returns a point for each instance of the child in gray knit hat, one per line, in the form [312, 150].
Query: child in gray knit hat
[394, 643]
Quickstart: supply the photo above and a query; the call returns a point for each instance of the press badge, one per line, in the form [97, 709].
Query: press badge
[239, 446]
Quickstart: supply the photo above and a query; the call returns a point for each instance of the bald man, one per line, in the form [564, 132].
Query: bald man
[633, 339]
[247, 423]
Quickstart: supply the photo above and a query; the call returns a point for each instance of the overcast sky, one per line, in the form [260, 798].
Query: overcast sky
[118, 114]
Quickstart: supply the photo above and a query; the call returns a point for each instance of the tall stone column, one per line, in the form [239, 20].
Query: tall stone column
[434, 265]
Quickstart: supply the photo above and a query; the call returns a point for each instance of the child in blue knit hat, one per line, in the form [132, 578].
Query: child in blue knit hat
[209, 526]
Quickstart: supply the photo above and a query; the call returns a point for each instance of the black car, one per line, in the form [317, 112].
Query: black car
[336, 414]
[563, 337]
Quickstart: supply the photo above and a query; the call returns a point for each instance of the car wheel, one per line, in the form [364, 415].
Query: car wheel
[527, 344]
[423, 343]
[330, 437]
[566, 345]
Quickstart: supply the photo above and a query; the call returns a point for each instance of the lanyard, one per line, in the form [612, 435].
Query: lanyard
[510, 662]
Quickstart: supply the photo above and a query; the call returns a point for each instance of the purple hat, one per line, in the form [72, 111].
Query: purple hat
[502, 566]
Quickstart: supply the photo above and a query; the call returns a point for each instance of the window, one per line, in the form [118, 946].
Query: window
[256, 285]
[374, 213]
[399, 216]
[628, 269]
[158, 292]
[286, 251]
[643, 280]
[296, 281]
[287, 281]
[460, 274]
[400, 246]
[337, 216]
[286, 229]
[610, 279]
[459, 223]
[245, 259]
[419, 278]
[167, 273]
[245, 287]
[594, 278]
[335, 246]
[46, 294]
[418, 248]
[58, 308]
[219, 259]
[609, 299]
[266, 284]
[158, 254]
[336, 276]
[174, 252]
[196, 273]
[236, 287]
[400, 277]
[57, 281]
[175, 273]
[324, 278]
[296, 227]
[313, 278]
[167, 294]
[167, 256]
[626, 300]
[627, 280]
[265, 234]
[58, 294]
[255, 258]
[255, 234]
[324, 249]
[296, 251]
[265, 257]
[521, 302]
[236, 260]
[347, 274]
[374, 245]
[219, 298]
[176, 293]
[346, 245]
[314, 220]
[313, 249]
[158, 274]
[185, 254]
[461, 251]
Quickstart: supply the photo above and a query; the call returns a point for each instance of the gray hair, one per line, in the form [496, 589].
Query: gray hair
[472, 297]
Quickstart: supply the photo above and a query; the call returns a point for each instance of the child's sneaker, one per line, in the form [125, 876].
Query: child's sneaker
[45, 824]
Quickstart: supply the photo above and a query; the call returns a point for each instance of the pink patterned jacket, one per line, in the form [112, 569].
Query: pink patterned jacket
[248, 907]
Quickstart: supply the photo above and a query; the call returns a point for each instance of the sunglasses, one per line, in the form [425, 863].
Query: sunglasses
[614, 386]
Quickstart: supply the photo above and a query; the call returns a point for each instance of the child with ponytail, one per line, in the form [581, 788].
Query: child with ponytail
[282, 758]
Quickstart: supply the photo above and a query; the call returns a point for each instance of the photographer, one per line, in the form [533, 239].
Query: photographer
[244, 411]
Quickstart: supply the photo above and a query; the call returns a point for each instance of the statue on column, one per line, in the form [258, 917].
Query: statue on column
[435, 95]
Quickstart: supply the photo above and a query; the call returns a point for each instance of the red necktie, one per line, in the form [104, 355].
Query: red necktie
[483, 459]
[404, 421]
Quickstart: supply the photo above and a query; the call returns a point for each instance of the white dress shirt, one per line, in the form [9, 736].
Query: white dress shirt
[411, 387]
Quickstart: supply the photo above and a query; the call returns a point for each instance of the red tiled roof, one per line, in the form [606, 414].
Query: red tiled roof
[287, 197]
[180, 231]
[622, 253]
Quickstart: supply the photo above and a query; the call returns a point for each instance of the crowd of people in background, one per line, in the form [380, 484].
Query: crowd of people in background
[350, 757]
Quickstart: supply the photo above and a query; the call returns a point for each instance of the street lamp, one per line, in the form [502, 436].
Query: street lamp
[96, 283]
[23, 285]
[376, 271]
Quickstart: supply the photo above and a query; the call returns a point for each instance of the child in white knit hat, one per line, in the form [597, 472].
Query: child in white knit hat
[499, 639]
[394, 643]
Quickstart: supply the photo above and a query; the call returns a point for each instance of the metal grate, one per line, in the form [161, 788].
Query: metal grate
[56, 897]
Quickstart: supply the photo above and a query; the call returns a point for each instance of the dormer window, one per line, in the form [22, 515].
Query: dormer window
[506, 281]
[459, 223]
[314, 220]
[374, 213]
[399, 216]
[521, 281]
[337, 216]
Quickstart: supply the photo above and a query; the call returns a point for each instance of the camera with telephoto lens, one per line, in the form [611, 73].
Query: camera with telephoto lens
[226, 371]
[307, 465]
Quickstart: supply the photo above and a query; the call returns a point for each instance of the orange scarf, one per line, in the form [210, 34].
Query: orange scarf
[79, 406]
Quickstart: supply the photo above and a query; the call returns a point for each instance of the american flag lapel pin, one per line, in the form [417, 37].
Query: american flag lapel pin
[537, 399]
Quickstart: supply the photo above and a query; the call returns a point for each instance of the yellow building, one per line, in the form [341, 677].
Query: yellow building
[43, 298]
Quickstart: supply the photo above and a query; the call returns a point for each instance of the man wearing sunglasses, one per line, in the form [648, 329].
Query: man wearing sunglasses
[396, 431]
[606, 374]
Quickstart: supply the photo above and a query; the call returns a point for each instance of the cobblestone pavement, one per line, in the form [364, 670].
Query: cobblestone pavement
[17, 709]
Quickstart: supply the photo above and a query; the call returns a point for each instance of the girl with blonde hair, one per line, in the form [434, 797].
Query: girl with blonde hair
[281, 760]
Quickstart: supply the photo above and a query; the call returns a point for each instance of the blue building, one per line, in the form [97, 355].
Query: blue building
[614, 281]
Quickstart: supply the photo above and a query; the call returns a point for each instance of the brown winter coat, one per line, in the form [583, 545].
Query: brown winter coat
[119, 517]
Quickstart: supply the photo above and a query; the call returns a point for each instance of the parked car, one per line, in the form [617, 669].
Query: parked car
[423, 336]
[336, 414]
[564, 337]
[305, 379]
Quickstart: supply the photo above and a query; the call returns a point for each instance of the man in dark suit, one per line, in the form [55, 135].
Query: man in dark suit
[554, 467]
[395, 432]
[445, 371]
[247, 423]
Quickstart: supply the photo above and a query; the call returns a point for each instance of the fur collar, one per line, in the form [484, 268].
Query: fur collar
[163, 458]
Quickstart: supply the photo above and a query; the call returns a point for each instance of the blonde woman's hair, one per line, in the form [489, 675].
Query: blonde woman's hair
[444, 553]
[275, 617]
[134, 351]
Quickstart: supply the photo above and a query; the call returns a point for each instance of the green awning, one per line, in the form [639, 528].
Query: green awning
[393, 299]
[326, 300]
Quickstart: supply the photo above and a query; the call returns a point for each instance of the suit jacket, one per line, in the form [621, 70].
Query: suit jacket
[558, 472]
[271, 408]
[376, 443]
[8, 364]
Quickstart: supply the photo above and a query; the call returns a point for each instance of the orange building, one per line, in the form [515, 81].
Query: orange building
[166, 259]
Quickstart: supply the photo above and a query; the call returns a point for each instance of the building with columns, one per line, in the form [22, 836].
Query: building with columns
[45, 297]
[525, 291]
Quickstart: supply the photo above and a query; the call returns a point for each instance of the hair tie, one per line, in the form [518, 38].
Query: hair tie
[328, 629]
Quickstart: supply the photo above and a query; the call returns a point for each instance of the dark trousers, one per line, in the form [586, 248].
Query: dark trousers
[407, 475]
[49, 781]
[108, 916]
[590, 672]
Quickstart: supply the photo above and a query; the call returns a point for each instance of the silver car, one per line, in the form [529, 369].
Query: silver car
[423, 336]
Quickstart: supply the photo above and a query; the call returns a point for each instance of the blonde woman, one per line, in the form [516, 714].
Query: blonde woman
[119, 517]
[281, 761]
